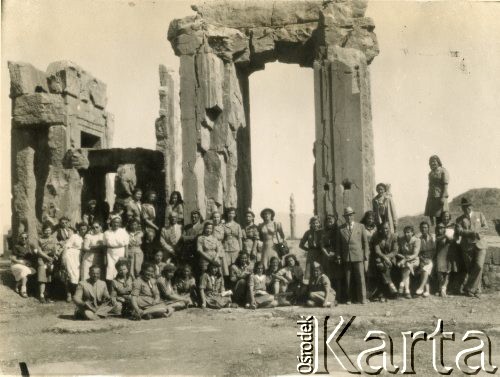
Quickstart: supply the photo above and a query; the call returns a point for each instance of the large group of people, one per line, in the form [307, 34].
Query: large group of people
[126, 264]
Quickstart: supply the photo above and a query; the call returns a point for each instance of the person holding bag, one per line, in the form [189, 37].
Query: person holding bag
[272, 237]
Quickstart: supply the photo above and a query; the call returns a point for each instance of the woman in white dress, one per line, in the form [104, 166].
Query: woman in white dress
[93, 250]
[71, 259]
[116, 240]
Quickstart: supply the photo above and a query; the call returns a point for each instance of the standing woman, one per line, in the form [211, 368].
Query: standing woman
[218, 226]
[93, 250]
[71, 259]
[135, 254]
[148, 212]
[22, 262]
[251, 242]
[383, 207]
[437, 196]
[311, 244]
[209, 248]
[271, 233]
[176, 205]
[116, 240]
[368, 221]
[233, 235]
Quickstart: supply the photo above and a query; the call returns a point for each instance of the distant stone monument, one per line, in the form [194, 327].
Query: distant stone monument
[292, 218]
[223, 44]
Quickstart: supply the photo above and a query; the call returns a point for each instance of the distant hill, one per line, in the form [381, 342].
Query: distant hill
[485, 200]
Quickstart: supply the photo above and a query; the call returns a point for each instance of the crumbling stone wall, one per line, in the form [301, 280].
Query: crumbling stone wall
[56, 115]
[222, 44]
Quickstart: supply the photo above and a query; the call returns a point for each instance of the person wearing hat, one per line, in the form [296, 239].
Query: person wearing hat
[437, 195]
[353, 245]
[271, 233]
[471, 225]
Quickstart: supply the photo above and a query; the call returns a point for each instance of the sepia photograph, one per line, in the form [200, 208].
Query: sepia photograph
[250, 188]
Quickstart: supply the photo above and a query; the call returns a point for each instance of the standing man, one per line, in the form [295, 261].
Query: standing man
[353, 246]
[471, 227]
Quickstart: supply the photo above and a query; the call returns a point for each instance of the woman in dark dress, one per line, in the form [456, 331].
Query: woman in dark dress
[437, 196]
[311, 244]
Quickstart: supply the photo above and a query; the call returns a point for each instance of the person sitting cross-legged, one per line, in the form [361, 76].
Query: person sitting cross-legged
[92, 298]
[145, 298]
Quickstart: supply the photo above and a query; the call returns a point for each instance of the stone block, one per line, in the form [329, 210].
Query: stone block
[97, 92]
[210, 74]
[26, 79]
[39, 108]
[65, 77]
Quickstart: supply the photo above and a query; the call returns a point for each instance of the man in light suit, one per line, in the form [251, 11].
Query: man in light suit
[471, 227]
[353, 245]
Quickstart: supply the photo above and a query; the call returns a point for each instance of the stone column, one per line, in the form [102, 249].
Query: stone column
[23, 184]
[168, 132]
[344, 169]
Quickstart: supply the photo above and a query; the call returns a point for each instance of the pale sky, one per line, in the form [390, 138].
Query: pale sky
[424, 100]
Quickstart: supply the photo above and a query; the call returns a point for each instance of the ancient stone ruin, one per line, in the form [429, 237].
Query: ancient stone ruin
[61, 155]
[62, 133]
[223, 44]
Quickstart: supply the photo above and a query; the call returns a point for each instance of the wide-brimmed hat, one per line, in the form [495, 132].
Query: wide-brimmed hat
[267, 210]
[348, 211]
[465, 202]
[249, 211]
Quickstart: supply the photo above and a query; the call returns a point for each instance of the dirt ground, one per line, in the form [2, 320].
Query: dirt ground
[229, 342]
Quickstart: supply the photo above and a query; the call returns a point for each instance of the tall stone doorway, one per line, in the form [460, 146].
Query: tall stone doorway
[222, 45]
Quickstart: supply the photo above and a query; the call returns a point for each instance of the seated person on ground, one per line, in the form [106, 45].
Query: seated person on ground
[92, 298]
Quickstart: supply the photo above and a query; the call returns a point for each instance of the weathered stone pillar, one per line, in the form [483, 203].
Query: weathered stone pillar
[168, 132]
[344, 138]
[23, 183]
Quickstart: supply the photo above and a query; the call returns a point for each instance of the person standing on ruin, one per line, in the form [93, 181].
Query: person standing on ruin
[437, 196]
[383, 207]
[353, 245]
[271, 233]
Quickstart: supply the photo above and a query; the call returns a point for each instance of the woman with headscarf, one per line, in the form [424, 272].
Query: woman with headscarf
[271, 234]
[383, 207]
[437, 196]
[71, 259]
[116, 240]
